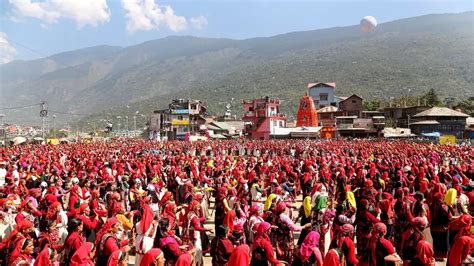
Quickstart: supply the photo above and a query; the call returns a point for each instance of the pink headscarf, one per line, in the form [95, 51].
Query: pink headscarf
[310, 242]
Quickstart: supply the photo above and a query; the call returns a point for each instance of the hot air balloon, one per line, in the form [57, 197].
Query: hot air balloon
[368, 24]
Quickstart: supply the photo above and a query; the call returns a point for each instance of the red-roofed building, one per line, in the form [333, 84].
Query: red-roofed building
[262, 117]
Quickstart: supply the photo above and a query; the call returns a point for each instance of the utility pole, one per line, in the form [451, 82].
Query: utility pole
[54, 126]
[43, 114]
[134, 123]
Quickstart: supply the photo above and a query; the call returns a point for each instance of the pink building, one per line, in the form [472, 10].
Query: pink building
[262, 117]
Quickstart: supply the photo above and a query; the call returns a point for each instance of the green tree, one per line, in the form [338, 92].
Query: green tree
[371, 105]
[431, 98]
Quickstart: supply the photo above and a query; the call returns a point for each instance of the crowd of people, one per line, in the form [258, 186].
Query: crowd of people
[276, 202]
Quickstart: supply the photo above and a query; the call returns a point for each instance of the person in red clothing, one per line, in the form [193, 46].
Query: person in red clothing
[334, 257]
[75, 239]
[75, 198]
[46, 257]
[364, 222]
[170, 244]
[262, 250]
[379, 246]
[462, 247]
[344, 243]
[108, 242]
[21, 232]
[118, 258]
[221, 247]
[23, 253]
[89, 221]
[154, 257]
[194, 231]
[424, 254]
[27, 212]
[84, 255]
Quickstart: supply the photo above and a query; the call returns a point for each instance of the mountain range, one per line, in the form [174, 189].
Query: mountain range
[407, 56]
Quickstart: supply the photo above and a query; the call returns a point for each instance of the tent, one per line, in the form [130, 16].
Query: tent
[18, 140]
[431, 134]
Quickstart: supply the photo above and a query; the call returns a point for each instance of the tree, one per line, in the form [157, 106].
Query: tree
[466, 105]
[371, 105]
[431, 98]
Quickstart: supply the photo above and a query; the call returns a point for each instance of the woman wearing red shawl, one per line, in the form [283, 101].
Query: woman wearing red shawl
[334, 257]
[344, 243]
[46, 257]
[240, 256]
[154, 257]
[262, 250]
[222, 207]
[49, 235]
[75, 239]
[167, 197]
[118, 258]
[27, 212]
[89, 221]
[108, 242]
[169, 244]
[22, 255]
[84, 255]
[169, 212]
[193, 230]
[19, 234]
[440, 217]
[460, 250]
[221, 247]
[145, 233]
[412, 237]
[309, 254]
[75, 198]
[364, 222]
[379, 246]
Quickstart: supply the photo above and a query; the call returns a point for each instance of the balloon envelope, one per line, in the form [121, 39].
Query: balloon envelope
[368, 24]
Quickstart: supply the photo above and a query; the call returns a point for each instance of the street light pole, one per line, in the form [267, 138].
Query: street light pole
[54, 126]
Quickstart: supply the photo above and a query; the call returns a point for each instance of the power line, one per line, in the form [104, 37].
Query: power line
[26, 47]
[19, 107]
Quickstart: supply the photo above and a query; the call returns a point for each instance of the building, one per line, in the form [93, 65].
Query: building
[400, 116]
[182, 119]
[262, 117]
[307, 115]
[442, 120]
[327, 120]
[322, 94]
[352, 126]
[225, 129]
[351, 105]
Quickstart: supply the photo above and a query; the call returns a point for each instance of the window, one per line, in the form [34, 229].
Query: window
[354, 101]
[323, 97]
[281, 123]
[274, 123]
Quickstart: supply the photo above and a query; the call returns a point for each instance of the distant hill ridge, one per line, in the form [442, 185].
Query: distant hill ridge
[432, 51]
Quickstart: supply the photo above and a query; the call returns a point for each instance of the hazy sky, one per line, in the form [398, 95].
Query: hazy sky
[37, 28]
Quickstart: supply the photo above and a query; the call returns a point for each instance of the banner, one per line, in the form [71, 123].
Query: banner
[176, 122]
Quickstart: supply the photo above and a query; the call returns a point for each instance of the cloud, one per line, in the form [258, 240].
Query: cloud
[199, 22]
[83, 12]
[147, 15]
[7, 52]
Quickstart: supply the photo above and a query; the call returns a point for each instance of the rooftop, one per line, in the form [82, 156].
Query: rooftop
[328, 109]
[441, 111]
[426, 122]
[328, 84]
